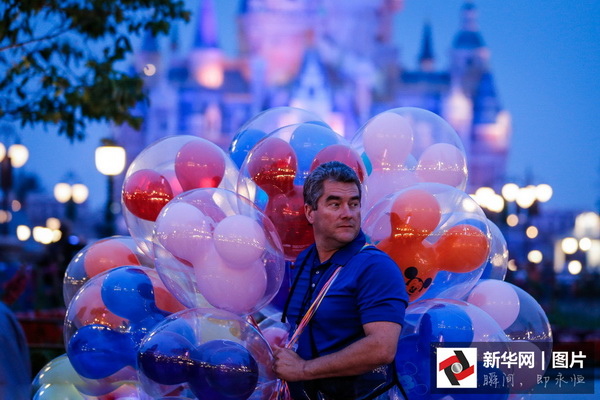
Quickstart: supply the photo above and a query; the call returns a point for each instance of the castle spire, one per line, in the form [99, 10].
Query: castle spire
[426, 58]
[468, 36]
[206, 30]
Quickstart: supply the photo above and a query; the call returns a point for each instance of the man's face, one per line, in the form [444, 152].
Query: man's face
[336, 221]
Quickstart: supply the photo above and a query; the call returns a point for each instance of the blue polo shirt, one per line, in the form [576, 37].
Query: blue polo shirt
[369, 288]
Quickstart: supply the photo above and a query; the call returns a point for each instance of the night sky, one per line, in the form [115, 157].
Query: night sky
[545, 60]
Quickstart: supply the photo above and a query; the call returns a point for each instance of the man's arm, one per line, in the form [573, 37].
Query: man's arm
[377, 348]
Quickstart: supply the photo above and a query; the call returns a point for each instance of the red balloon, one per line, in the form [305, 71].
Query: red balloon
[286, 211]
[199, 164]
[462, 248]
[416, 261]
[415, 214]
[272, 165]
[145, 193]
[107, 254]
[343, 154]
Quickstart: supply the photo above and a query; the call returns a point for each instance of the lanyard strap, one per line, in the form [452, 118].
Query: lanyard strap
[312, 309]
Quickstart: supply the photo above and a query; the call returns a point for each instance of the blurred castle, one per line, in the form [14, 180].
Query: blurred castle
[334, 58]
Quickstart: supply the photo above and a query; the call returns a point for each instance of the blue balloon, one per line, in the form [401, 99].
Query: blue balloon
[413, 366]
[367, 162]
[181, 327]
[308, 139]
[223, 370]
[128, 293]
[446, 323]
[97, 351]
[242, 143]
[164, 358]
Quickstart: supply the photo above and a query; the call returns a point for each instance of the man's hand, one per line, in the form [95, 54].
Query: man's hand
[288, 365]
[377, 348]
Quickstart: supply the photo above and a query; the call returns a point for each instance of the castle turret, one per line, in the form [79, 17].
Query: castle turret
[312, 90]
[426, 58]
[206, 61]
[469, 54]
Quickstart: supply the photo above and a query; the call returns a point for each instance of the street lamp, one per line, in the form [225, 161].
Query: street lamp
[15, 156]
[110, 161]
[71, 195]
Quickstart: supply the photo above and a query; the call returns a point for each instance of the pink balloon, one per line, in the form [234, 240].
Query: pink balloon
[443, 163]
[184, 231]
[383, 182]
[237, 290]
[275, 335]
[498, 299]
[173, 181]
[200, 164]
[239, 240]
[388, 140]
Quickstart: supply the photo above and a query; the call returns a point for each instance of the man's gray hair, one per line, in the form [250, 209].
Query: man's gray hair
[332, 170]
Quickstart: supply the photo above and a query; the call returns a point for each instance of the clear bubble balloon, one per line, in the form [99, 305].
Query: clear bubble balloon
[435, 323]
[213, 353]
[214, 247]
[497, 264]
[408, 145]
[165, 169]
[531, 323]
[274, 171]
[101, 256]
[264, 123]
[107, 319]
[436, 234]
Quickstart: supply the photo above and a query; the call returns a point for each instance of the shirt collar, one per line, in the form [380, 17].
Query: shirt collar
[343, 255]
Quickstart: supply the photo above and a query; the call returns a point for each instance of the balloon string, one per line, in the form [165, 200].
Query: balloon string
[253, 322]
[282, 386]
[312, 309]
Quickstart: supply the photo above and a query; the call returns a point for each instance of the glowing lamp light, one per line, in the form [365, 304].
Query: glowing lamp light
[23, 233]
[574, 267]
[569, 245]
[535, 256]
[526, 196]
[532, 232]
[543, 192]
[18, 155]
[210, 76]
[510, 191]
[512, 265]
[495, 203]
[53, 223]
[110, 160]
[79, 192]
[62, 192]
[512, 220]
[42, 234]
[585, 244]
[5, 216]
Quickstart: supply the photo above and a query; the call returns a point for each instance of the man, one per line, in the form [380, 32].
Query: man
[344, 351]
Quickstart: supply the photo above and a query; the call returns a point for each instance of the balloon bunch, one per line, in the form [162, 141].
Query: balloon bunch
[170, 311]
[217, 354]
[265, 122]
[423, 248]
[274, 171]
[214, 247]
[452, 257]
[101, 256]
[405, 146]
[165, 169]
